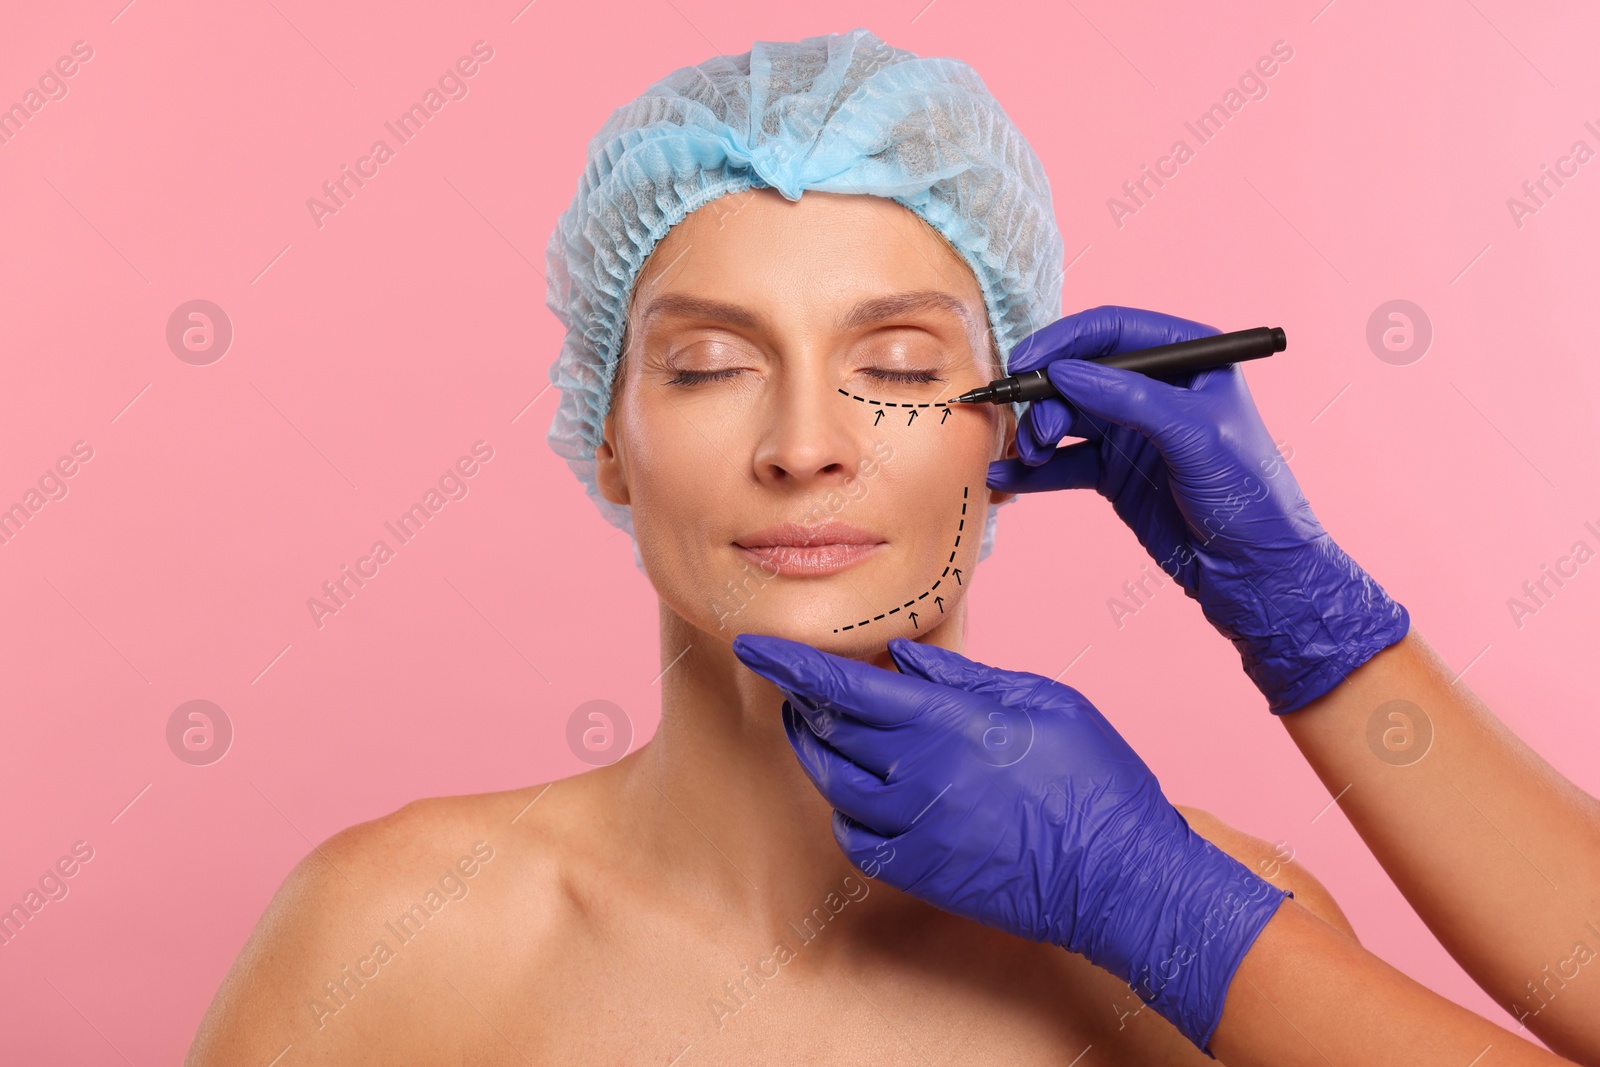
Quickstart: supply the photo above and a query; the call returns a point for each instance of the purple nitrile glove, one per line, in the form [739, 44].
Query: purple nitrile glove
[1008, 798]
[1193, 471]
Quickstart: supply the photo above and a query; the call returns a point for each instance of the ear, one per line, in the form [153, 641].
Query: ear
[610, 472]
[1009, 424]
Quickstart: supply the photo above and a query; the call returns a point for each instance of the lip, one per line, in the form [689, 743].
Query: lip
[798, 550]
[799, 535]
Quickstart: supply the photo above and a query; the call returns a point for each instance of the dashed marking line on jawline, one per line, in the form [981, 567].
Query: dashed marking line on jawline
[949, 566]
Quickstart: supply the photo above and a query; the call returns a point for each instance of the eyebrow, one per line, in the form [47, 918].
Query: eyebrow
[866, 313]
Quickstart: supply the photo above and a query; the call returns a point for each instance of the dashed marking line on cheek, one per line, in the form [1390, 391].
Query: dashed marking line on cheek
[891, 404]
[946, 404]
[949, 567]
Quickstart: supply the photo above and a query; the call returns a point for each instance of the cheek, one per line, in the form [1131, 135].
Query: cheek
[936, 497]
[676, 476]
[950, 454]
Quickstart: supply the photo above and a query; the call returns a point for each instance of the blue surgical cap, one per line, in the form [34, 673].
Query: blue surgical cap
[842, 113]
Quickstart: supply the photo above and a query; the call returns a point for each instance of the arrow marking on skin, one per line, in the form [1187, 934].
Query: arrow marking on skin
[948, 569]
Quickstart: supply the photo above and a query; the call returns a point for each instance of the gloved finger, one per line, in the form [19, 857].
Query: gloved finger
[829, 683]
[1074, 466]
[1047, 421]
[1017, 690]
[1154, 408]
[879, 750]
[1101, 331]
[1008, 736]
[1042, 426]
[869, 851]
[887, 807]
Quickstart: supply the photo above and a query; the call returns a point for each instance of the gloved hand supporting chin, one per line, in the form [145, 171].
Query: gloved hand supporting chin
[1009, 799]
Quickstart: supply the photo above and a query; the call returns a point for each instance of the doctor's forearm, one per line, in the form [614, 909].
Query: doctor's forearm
[1307, 995]
[1497, 852]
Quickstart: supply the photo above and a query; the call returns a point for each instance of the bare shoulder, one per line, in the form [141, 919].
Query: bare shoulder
[1274, 863]
[353, 958]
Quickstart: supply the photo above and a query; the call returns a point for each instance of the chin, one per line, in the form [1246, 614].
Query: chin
[826, 620]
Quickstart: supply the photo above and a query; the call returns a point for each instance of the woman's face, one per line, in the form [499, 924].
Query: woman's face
[786, 378]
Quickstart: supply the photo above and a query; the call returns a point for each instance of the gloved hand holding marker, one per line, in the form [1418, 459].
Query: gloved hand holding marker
[1190, 467]
[1180, 357]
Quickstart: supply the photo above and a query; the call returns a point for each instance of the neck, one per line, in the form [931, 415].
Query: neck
[721, 790]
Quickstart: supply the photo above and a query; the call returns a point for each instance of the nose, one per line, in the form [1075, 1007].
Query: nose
[808, 438]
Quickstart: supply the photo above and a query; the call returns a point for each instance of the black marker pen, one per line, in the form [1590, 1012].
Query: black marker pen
[1202, 353]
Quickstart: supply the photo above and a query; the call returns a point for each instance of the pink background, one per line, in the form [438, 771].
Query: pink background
[371, 352]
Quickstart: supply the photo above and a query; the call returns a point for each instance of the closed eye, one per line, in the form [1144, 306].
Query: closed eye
[916, 377]
[696, 377]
